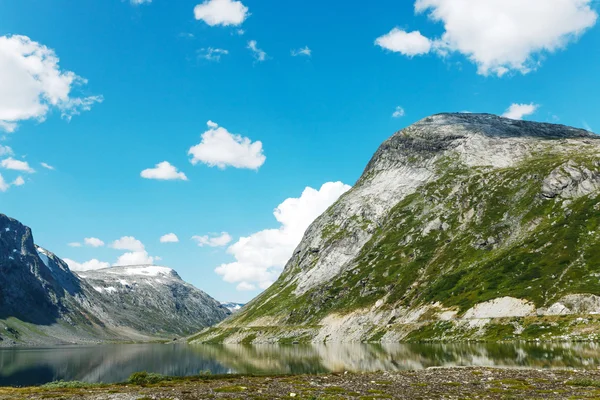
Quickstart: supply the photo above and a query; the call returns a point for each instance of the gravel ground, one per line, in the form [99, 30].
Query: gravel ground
[439, 383]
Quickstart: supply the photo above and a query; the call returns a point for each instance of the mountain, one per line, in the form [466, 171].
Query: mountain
[153, 300]
[233, 307]
[462, 226]
[43, 302]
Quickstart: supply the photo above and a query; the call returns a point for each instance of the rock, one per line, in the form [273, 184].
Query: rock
[129, 303]
[439, 192]
[570, 180]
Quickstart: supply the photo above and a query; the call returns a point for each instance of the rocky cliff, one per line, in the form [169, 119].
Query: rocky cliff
[43, 302]
[462, 226]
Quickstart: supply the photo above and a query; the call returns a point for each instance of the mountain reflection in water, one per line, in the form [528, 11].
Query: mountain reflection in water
[114, 363]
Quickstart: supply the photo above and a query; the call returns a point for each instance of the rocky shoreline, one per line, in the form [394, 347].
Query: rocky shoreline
[433, 383]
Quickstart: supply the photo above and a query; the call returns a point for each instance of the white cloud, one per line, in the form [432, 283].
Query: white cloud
[260, 257]
[6, 151]
[169, 238]
[74, 244]
[47, 166]
[213, 241]
[245, 287]
[3, 184]
[222, 149]
[258, 54]
[136, 255]
[399, 112]
[163, 171]
[86, 266]
[33, 84]
[93, 242]
[19, 181]
[518, 111]
[138, 2]
[408, 43]
[304, 51]
[8, 126]
[128, 243]
[221, 12]
[16, 165]
[135, 258]
[212, 54]
[499, 36]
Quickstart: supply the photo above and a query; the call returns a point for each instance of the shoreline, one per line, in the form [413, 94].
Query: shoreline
[432, 383]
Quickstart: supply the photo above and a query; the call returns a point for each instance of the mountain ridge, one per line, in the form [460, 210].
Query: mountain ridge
[445, 227]
[43, 302]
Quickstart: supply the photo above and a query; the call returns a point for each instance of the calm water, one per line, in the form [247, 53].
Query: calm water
[115, 363]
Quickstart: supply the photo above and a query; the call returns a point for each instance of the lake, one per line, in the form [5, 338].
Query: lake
[114, 363]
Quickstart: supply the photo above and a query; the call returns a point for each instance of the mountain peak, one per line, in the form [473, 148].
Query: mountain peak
[495, 126]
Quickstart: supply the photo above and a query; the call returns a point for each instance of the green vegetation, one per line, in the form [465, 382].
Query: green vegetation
[69, 385]
[145, 378]
[586, 382]
[473, 235]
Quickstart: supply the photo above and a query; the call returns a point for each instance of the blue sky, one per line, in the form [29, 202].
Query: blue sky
[148, 86]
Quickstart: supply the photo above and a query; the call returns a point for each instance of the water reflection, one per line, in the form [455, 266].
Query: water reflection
[115, 363]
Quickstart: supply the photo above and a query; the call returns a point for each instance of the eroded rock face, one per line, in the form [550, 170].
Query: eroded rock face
[503, 307]
[571, 180]
[458, 215]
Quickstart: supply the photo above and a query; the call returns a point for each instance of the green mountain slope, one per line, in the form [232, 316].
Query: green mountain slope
[462, 227]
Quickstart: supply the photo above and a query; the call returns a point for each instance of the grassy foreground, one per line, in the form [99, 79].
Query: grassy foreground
[438, 383]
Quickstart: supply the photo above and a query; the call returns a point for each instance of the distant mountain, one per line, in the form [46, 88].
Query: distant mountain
[153, 300]
[462, 226]
[43, 302]
[233, 307]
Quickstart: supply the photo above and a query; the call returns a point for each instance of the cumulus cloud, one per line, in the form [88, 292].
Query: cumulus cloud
[33, 84]
[19, 181]
[257, 53]
[498, 36]
[303, 51]
[135, 258]
[408, 43]
[212, 54]
[518, 111]
[399, 112]
[169, 238]
[213, 241]
[245, 287]
[86, 266]
[16, 165]
[222, 149]
[260, 257]
[93, 242]
[129, 243]
[222, 12]
[163, 171]
[47, 166]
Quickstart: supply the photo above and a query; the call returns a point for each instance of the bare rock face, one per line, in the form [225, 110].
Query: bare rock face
[39, 289]
[571, 180]
[457, 218]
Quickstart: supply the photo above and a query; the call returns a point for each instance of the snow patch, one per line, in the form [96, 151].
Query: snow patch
[43, 256]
